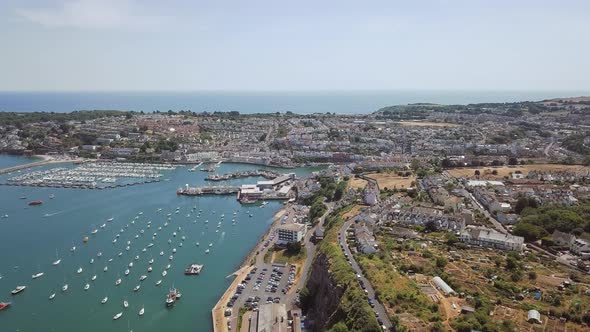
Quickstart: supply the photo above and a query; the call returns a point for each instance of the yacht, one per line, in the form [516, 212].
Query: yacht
[79, 270]
[127, 272]
[118, 282]
[142, 278]
[149, 269]
[125, 304]
[52, 296]
[93, 277]
[87, 287]
[18, 289]
[164, 273]
[158, 282]
[141, 311]
[38, 275]
[131, 264]
[103, 301]
[151, 261]
[136, 288]
[117, 316]
[64, 288]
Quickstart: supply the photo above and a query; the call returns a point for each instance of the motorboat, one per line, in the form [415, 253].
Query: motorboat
[170, 257]
[93, 277]
[79, 270]
[164, 273]
[18, 289]
[117, 316]
[142, 278]
[64, 288]
[151, 261]
[106, 268]
[158, 282]
[149, 269]
[136, 288]
[125, 304]
[118, 282]
[207, 251]
[127, 272]
[87, 287]
[52, 296]
[131, 264]
[168, 267]
[104, 300]
[141, 311]
[38, 275]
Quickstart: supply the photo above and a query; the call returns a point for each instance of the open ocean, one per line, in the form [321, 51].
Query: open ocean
[257, 102]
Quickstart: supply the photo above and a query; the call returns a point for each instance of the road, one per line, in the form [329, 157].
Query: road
[379, 309]
[548, 147]
[497, 225]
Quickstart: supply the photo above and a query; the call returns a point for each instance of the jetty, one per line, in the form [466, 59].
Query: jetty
[244, 174]
[24, 166]
[208, 190]
[212, 168]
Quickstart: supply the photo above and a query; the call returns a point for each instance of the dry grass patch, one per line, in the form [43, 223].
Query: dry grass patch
[426, 124]
[357, 183]
[392, 180]
[486, 172]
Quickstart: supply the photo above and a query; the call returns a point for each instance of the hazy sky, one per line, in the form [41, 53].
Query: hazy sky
[294, 45]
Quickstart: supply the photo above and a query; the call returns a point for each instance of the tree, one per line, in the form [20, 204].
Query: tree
[477, 173]
[294, 248]
[441, 262]
[530, 232]
[532, 275]
[415, 164]
[512, 161]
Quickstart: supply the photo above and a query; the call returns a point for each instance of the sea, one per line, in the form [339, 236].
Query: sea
[341, 102]
[32, 237]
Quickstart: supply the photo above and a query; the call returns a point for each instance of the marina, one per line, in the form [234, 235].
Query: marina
[37, 242]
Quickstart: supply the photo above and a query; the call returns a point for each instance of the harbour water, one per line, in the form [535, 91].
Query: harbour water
[30, 236]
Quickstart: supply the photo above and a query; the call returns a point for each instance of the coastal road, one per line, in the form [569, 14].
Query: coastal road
[379, 309]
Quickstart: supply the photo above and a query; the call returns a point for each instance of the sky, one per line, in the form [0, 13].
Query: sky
[174, 45]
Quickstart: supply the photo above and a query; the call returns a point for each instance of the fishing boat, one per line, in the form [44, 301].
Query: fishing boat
[38, 275]
[142, 278]
[79, 270]
[136, 288]
[125, 304]
[118, 282]
[18, 289]
[4, 305]
[158, 282]
[87, 287]
[193, 269]
[141, 311]
[117, 316]
[104, 300]
[64, 288]
[52, 296]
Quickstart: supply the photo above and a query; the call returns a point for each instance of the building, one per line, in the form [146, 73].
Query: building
[290, 233]
[271, 317]
[563, 239]
[581, 247]
[534, 316]
[489, 238]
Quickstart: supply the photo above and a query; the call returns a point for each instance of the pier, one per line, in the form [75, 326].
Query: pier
[212, 168]
[25, 166]
[244, 174]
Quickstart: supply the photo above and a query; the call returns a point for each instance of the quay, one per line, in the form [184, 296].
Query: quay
[212, 168]
[244, 174]
[25, 166]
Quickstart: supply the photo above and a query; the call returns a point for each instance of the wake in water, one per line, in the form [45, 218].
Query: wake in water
[47, 215]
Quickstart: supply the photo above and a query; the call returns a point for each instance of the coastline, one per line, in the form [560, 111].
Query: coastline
[217, 313]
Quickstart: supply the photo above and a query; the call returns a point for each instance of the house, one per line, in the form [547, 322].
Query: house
[365, 240]
[563, 239]
[581, 247]
[489, 238]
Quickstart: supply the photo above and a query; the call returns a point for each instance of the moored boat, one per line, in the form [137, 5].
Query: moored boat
[38, 275]
[18, 289]
[33, 203]
[117, 316]
[4, 305]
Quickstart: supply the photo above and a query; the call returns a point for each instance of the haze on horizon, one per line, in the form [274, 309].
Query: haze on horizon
[133, 45]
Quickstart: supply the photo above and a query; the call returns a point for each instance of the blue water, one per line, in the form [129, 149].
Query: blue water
[10, 160]
[30, 236]
[257, 102]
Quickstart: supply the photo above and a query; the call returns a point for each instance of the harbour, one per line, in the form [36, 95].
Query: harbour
[32, 235]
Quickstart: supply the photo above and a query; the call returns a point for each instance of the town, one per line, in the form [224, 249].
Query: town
[420, 217]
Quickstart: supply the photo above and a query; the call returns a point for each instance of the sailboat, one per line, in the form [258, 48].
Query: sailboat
[125, 304]
[58, 259]
[104, 300]
[106, 268]
[117, 316]
[86, 287]
[142, 311]
[64, 288]
[52, 296]
[158, 282]
[93, 277]
[79, 270]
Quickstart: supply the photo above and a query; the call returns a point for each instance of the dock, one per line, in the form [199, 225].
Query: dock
[24, 166]
[244, 174]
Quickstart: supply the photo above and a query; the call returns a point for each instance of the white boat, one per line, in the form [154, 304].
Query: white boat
[103, 225]
[72, 249]
[141, 311]
[52, 296]
[197, 244]
[38, 275]
[127, 272]
[118, 282]
[79, 270]
[183, 238]
[93, 277]
[151, 261]
[158, 282]
[125, 304]
[150, 245]
[137, 236]
[94, 231]
[149, 269]
[140, 213]
[136, 288]
[169, 241]
[180, 244]
[164, 273]
[131, 264]
[99, 254]
[167, 266]
[210, 244]
[18, 289]
[174, 234]
[120, 254]
[142, 278]
[136, 258]
[174, 250]
[110, 259]
[143, 250]
[110, 219]
[141, 231]
[159, 209]
[87, 287]
[117, 316]
[115, 241]
[104, 300]
[106, 268]
[127, 248]
[170, 257]
[91, 260]
[64, 288]
[207, 251]
[161, 253]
